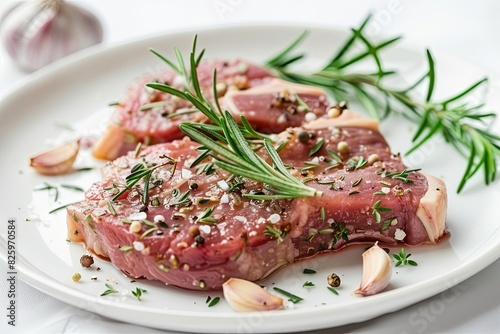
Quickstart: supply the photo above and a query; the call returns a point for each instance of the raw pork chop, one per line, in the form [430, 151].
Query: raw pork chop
[146, 115]
[197, 230]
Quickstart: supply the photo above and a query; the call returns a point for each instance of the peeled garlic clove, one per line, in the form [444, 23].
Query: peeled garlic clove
[377, 271]
[36, 33]
[57, 160]
[244, 295]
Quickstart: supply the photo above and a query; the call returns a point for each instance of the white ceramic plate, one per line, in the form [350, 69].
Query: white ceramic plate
[69, 91]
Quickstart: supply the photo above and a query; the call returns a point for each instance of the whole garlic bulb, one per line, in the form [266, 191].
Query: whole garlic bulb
[36, 33]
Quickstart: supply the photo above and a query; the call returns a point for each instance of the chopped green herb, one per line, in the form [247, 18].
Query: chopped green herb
[206, 217]
[200, 158]
[402, 259]
[309, 165]
[275, 232]
[49, 188]
[149, 231]
[282, 145]
[307, 283]
[84, 169]
[332, 290]
[402, 176]
[319, 144]
[213, 302]
[137, 149]
[335, 156]
[358, 181]
[138, 293]
[182, 112]
[126, 248]
[301, 104]
[111, 208]
[291, 297]
[71, 187]
[386, 224]
[148, 223]
[309, 271]
[142, 171]
[361, 163]
[379, 193]
[61, 207]
[110, 289]
[323, 214]
[326, 231]
[183, 199]
[377, 209]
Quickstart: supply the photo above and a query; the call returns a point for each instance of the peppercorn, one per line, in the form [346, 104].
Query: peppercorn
[343, 147]
[76, 277]
[304, 137]
[86, 261]
[199, 239]
[333, 280]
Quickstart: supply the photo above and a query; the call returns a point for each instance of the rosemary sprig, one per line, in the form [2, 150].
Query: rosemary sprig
[462, 124]
[228, 142]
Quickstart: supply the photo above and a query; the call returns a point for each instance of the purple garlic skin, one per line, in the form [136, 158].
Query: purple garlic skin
[36, 33]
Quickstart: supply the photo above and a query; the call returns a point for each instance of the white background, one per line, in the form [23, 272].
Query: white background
[470, 30]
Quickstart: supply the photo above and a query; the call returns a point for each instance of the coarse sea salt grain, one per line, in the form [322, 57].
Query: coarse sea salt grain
[241, 219]
[310, 117]
[138, 246]
[138, 216]
[179, 81]
[159, 219]
[205, 229]
[223, 185]
[186, 174]
[99, 212]
[274, 218]
[224, 199]
[399, 234]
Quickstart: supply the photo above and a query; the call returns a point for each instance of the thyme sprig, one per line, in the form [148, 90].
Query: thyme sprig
[462, 124]
[228, 142]
[376, 209]
[402, 259]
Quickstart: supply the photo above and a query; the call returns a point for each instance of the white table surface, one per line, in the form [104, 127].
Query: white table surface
[463, 28]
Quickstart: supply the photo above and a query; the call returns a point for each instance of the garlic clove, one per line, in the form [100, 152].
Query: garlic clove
[244, 295]
[56, 161]
[377, 271]
[36, 33]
